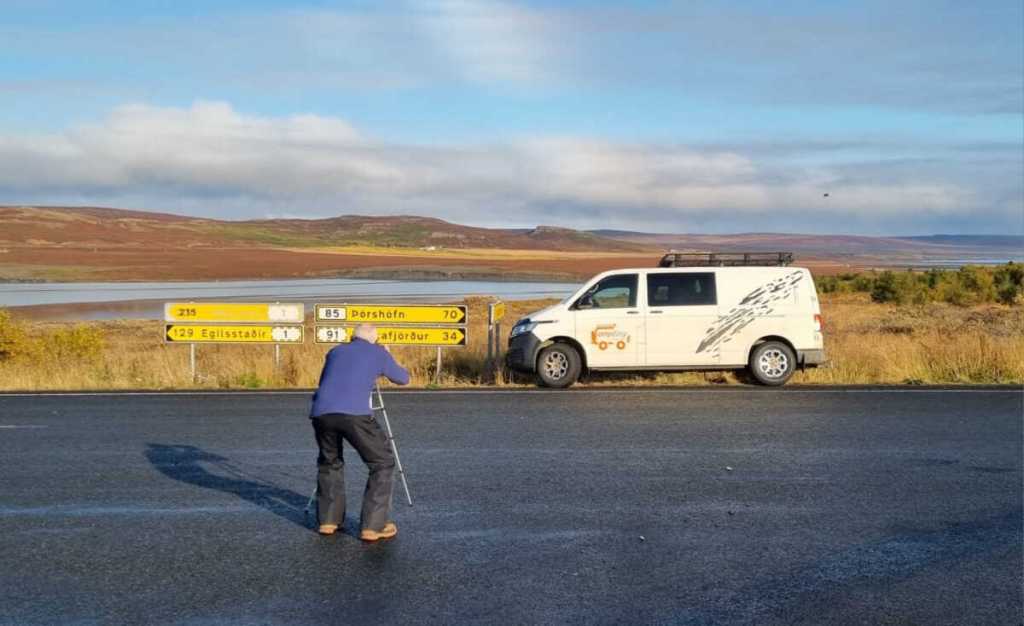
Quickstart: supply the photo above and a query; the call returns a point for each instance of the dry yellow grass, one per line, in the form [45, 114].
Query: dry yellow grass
[135, 357]
[927, 344]
[867, 343]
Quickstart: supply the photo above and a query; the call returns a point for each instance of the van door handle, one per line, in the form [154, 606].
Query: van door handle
[653, 312]
[632, 312]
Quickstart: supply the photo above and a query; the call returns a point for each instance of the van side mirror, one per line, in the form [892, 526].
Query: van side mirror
[586, 301]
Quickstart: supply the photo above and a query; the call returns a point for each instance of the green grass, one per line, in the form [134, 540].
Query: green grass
[398, 235]
[261, 235]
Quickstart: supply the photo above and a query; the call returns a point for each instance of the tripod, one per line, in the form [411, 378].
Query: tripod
[377, 405]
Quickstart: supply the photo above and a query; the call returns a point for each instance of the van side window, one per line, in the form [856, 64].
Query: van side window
[614, 292]
[683, 289]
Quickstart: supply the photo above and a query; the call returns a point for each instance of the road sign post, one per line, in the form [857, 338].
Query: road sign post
[495, 313]
[498, 348]
[490, 350]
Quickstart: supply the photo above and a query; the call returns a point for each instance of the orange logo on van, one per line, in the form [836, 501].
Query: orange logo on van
[605, 335]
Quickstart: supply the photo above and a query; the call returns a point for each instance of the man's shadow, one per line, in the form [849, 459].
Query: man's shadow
[195, 466]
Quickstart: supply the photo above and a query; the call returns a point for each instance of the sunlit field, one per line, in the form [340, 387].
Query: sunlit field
[867, 342]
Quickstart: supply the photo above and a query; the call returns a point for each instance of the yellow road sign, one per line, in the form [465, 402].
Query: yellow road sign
[237, 312]
[497, 312]
[392, 313]
[182, 333]
[394, 336]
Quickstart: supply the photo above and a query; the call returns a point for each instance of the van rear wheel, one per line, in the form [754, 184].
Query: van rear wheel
[772, 363]
[558, 366]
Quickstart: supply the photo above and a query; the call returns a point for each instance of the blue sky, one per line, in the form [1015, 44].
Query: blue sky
[659, 116]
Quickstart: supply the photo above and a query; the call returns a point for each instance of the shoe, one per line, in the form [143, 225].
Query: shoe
[389, 531]
[327, 529]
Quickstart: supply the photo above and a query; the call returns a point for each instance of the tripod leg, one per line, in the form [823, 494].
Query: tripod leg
[394, 448]
[312, 497]
[398, 461]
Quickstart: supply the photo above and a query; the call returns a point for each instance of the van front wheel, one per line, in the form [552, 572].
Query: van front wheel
[558, 366]
[772, 363]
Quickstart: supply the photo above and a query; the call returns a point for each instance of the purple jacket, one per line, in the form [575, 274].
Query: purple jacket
[349, 374]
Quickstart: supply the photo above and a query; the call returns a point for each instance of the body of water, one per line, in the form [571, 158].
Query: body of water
[957, 263]
[91, 301]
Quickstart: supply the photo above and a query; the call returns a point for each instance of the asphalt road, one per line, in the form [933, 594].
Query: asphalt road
[746, 506]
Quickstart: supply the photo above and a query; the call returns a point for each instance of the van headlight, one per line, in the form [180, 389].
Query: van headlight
[522, 327]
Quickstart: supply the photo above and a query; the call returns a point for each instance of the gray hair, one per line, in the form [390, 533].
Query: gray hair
[366, 332]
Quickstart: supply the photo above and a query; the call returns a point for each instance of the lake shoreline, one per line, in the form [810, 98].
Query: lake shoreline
[818, 266]
[82, 302]
[410, 275]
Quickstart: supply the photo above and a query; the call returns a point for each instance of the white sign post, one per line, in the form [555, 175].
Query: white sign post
[495, 313]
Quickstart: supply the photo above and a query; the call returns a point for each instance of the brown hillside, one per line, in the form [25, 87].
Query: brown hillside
[88, 227]
[88, 243]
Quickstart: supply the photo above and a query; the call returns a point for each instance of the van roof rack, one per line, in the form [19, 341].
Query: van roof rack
[726, 259]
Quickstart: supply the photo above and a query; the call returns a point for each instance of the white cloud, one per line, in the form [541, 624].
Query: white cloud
[491, 42]
[213, 160]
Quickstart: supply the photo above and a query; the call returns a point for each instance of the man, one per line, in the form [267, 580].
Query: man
[341, 412]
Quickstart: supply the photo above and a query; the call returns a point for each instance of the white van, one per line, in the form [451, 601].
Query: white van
[693, 312]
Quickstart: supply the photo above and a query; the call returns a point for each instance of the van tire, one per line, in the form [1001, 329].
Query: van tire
[558, 366]
[772, 363]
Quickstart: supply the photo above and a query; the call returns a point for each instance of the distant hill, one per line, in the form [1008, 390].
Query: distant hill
[898, 249]
[994, 241]
[94, 244]
[90, 226]
[106, 227]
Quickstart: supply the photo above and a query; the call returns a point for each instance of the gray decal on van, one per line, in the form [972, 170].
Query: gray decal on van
[755, 304]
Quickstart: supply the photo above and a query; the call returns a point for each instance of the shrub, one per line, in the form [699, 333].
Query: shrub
[827, 284]
[966, 286]
[1007, 293]
[904, 288]
[953, 292]
[79, 342]
[885, 289]
[14, 341]
[978, 283]
[933, 277]
[1009, 282]
[863, 282]
[1012, 272]
[916, 289]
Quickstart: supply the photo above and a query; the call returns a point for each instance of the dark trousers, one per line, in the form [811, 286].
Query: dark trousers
[369, 440]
